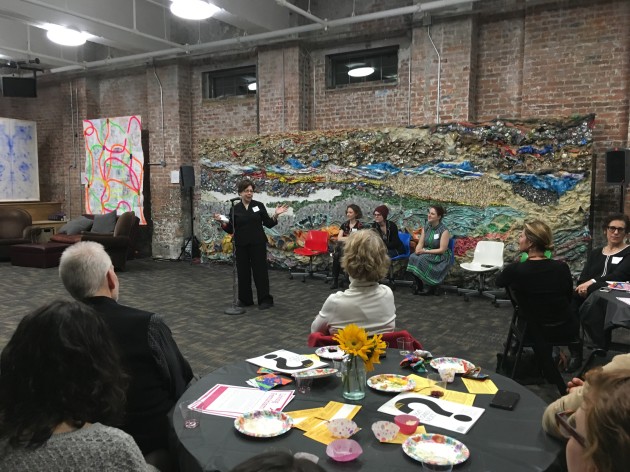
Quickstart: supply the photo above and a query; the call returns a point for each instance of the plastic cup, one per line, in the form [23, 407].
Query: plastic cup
[405, 345]
[437, 467]
[338, 365]
[303, 384]
[190, 417]
[407, 423]
[447, 374]
[437, 381]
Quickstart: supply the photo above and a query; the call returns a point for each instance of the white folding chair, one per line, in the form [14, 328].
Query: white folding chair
[488, 259]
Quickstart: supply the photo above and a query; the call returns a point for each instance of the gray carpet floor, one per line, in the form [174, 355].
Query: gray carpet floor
[192, 299]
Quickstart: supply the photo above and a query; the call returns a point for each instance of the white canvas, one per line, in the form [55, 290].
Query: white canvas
[19, 170]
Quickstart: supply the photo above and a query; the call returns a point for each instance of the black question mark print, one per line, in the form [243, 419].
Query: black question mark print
[281, 362]
[403, 405]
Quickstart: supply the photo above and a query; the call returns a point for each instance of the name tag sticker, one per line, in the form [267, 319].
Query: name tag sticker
[353, 230]
[436, 236]
[255, 209]
[616, 260]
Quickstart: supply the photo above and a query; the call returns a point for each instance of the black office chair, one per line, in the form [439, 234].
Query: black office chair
[519, 338]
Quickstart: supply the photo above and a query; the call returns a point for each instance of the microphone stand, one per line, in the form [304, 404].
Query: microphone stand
[234, 309]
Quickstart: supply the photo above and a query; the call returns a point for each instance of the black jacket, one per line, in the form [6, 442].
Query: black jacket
[249, 223]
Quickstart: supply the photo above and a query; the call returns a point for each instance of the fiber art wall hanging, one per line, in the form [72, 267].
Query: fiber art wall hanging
[490, 176]
[114, 166]
[19, 170]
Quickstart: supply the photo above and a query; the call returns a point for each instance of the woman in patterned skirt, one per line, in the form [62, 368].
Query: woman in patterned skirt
[430, 262]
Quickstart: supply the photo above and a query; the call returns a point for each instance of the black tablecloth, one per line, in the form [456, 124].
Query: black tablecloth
[500, 441]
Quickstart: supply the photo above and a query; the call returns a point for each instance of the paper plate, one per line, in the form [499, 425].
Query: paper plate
[436, 449]
[623, 286]
[460, 365]
[316, 373]
[391, 383]
[330, 352]
[263, 424]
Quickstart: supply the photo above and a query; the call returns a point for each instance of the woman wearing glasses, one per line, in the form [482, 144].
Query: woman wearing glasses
[611, 262]
[598, 433]
[606, 262]
[249, 216]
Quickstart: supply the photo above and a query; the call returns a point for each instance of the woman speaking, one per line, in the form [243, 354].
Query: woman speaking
[246, 223]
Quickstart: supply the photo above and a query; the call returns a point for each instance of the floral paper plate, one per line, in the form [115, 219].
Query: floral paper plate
[624, 286]
[461, 366]
[333, 353]
[436, 449]
[316, 373]
[263, 424]
[391, 383]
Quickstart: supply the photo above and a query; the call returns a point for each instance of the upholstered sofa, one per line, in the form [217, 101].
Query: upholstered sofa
[15, 228]
[119, 244]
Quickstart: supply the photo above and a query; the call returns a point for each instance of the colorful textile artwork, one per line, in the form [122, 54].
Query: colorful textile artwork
[490, 177]
[19, 171]
[114, 166]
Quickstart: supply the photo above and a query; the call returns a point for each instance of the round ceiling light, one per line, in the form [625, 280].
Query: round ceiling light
[252, 86]
[361, 71]
[66, 36]
[193, 9]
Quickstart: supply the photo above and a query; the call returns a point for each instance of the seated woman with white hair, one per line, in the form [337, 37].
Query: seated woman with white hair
[365, 303]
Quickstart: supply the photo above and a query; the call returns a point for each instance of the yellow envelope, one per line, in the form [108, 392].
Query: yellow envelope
[484, 387]
[302, 418]
[424, 386]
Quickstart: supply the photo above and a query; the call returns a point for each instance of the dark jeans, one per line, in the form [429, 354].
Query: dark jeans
[252, 260]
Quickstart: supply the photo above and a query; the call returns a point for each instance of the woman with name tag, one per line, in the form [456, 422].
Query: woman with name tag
[248, 218]
[608, 263]
[430, 261]
[353, 213]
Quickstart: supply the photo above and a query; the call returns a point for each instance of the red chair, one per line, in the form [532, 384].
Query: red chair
[319, 339]
[316, 244]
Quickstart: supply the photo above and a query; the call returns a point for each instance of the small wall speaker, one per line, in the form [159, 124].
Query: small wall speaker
[187, 176]
[618, 166]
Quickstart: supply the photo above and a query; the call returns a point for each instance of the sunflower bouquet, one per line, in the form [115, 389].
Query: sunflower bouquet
[363, 352]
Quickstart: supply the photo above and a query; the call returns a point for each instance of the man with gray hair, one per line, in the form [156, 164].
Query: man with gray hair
[159, 373]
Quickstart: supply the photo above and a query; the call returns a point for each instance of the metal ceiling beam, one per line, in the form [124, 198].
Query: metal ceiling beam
[259, 38]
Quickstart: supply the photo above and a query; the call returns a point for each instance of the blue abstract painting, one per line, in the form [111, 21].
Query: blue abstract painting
[19, 171]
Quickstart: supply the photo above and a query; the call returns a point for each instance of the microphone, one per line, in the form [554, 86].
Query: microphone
[235, 199]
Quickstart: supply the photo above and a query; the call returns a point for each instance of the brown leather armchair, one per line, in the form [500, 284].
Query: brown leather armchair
[119, 245]
[15, 228]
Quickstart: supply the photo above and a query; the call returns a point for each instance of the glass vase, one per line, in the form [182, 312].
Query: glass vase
[353, 378]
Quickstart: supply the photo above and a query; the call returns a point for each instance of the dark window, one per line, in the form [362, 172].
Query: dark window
[384, 62]
[230, 82]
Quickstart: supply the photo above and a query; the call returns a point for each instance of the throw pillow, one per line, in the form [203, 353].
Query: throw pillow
[76, 226]
[104, 223]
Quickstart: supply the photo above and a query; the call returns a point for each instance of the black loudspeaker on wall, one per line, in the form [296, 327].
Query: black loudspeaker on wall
[187, 176]
[618, 166]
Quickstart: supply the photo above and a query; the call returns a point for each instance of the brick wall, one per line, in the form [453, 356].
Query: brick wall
[512, 60]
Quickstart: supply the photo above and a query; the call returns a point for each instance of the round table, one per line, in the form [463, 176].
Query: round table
[499, 441]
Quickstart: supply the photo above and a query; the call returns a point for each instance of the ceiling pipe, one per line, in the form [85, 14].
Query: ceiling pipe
[41, 56]
[299, 11]
[105, 23]
[243, 40]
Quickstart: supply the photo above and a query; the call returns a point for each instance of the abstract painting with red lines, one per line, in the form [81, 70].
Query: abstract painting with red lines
[114, 165]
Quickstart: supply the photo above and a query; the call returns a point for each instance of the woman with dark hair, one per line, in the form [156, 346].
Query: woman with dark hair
[60, 382]
[246, 221]
[542, 287]
[354, 214]
[608, 263]
[388, 231]
[430, 262]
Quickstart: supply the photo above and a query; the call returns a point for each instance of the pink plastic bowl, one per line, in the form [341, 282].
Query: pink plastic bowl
[407, 423]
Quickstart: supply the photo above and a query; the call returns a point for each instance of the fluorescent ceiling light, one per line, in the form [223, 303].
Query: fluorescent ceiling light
[252, 86]
[66, 36]
[361, 71]
[193, 9]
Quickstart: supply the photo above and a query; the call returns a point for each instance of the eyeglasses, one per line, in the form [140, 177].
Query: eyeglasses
[248, 191]
[616, 229]
[566, 423]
